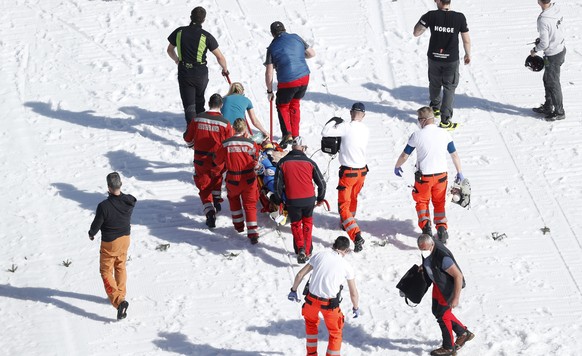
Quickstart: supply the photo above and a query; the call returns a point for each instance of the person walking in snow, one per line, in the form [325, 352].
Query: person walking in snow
[353, 169]
[192, 43]
[286, 54]
[239, 154]
[236, 104]
[294, 178]
[441, 268]
[113, 218]
[431, 145]
[330, 270]
[551, 42]
[205, 135]
[443, 56]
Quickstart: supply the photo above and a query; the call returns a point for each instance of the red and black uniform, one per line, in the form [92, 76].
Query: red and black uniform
[206, 132]
[240, 155]
[294, 176]
[192, 43]
[442, 293]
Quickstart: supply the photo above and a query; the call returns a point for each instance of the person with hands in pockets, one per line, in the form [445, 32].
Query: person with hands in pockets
[431, 179]
[330, 270]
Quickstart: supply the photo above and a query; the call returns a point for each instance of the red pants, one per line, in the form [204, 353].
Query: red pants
[431, 188]
[334, 321]
[112, 257]
[445, 318]
[301, 227]
[288, 104]
[208, 180]
[350, 183]
[248, 193]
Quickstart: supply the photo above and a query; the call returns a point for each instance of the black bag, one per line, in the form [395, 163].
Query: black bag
[331, 145]
[413, 285]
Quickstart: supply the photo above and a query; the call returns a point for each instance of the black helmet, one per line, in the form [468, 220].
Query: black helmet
[535, 63]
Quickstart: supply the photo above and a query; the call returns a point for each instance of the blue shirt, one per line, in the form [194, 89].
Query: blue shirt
[235, 106]
[287, 54]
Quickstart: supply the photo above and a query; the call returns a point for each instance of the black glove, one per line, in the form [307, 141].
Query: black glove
[275, 200]
[337, 120]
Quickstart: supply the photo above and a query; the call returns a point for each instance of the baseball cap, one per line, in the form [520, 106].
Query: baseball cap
[358, 107]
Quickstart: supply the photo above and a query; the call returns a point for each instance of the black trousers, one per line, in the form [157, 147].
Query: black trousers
[192, 91]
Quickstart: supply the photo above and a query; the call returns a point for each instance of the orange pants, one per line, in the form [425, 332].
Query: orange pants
[247, 191]
[112, 268]
[208, 180]
[334, 321]
[433, 188]
[351, 181]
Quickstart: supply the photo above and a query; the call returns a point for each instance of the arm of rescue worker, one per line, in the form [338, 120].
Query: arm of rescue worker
[279, 184]
[300, 275]
[256, 122]
[320, 182]
[455, 156]
[334, 129]
[457, 275]
[172, 53]
[269, 78]
[221, 60]
[400, 161]
[466, 46]
[189, 134]
[220, 156]
[354, 296]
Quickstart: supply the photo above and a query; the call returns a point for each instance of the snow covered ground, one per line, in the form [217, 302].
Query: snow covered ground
[87, 88]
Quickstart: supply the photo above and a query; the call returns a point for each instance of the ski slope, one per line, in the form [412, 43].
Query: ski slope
[87, 88]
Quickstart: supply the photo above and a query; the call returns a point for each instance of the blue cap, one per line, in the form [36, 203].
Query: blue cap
[358, 107]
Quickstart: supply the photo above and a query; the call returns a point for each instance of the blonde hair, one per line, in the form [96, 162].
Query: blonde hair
[236, 88]
[239, 125]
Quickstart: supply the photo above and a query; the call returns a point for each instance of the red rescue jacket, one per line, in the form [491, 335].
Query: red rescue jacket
[240, 154]
[206, 132]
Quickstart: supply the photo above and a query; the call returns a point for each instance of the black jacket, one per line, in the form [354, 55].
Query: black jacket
[444, 281]
[113, 217]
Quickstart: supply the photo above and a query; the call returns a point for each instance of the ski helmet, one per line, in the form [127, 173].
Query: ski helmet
[534, 63]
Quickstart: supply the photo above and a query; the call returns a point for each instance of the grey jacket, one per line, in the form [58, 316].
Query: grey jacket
[551, 31]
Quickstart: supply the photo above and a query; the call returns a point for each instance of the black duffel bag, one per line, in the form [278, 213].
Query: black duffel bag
[413, 285]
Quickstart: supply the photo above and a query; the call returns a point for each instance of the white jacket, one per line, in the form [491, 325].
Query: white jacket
[551, 31]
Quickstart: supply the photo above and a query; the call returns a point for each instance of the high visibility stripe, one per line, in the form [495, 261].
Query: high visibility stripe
[311, 336]
[420, 212]
[238, 143]
[440, 214]
[252, 224]
[237, 220]
[352, 226]
[210, 121]
[201, 48]
[237, 212]
[216, 193]
[311, 344]
[179, 45]
[423, 218]
[440, 221]
[347, 221]
[332, 352]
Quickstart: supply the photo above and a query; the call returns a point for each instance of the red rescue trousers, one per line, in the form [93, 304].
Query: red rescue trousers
[334, 321]
[351, 181]
[242, 195]
[208, 180]
[432, 187]
[112, 257]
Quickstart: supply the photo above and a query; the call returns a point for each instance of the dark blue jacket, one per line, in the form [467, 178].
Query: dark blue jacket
[287, 54]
